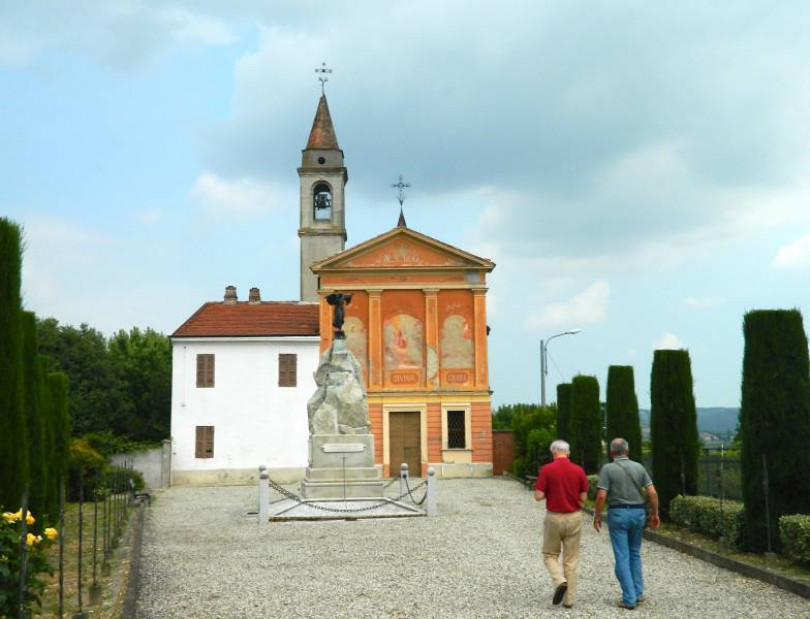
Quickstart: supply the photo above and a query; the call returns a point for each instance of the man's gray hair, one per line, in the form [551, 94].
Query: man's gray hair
[560, 446]
[619, 446]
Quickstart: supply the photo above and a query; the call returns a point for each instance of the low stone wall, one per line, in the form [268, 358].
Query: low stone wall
[153, 464]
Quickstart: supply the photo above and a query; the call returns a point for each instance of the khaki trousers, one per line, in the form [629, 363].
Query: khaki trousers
[561, 533]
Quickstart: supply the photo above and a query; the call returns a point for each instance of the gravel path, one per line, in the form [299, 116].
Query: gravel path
[478, 558]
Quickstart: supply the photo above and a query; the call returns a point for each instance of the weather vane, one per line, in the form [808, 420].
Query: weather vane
[401, 187]
[324, 71]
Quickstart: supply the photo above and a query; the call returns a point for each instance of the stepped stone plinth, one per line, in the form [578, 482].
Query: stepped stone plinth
[341, 447]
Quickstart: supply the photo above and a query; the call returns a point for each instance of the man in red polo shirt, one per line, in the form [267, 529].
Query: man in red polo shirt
[565, 487]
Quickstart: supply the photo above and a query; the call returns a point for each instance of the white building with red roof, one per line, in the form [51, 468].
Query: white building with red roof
[242, 375]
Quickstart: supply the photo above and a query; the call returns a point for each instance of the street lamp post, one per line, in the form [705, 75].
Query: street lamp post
[544, 361]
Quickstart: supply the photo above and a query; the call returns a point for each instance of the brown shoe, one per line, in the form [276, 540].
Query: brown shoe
[625, 605]
[559, 593]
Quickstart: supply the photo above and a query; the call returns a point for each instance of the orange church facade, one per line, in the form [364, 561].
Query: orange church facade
[417, 325]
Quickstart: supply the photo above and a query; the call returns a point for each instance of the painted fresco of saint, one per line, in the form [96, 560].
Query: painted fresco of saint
[457, 343]
[357, 340]
[403, 335]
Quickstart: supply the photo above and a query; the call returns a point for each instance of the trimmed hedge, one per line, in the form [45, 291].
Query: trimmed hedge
[794, 532]
[710, 516]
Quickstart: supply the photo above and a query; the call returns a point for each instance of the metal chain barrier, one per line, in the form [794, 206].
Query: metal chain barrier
[343, 510]
[409, 491]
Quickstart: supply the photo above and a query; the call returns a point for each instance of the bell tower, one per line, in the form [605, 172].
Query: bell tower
[323, 178]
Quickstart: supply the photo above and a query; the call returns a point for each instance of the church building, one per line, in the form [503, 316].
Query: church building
[243, 370]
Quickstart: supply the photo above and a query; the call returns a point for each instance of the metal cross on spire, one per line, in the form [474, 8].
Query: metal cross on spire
[401, 186]
[324, 71]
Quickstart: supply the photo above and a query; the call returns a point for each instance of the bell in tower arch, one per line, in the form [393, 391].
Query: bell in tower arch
[322, 202]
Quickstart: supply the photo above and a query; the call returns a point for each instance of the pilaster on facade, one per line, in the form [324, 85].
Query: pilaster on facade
[432, 337]
[481, 355]
[375, 354]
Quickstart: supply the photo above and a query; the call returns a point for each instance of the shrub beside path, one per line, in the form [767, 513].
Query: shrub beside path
[479, 558]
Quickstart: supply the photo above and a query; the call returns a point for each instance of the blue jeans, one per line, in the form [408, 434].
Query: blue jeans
[626, 527]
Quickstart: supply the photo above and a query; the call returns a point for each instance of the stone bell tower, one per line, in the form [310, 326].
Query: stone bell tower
[323, 178]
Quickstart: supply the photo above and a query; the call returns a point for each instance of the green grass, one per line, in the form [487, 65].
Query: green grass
[111, 589]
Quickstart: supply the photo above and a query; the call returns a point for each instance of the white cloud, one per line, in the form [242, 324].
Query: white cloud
[148, 216]
[588, 307]
[192, 27]
[668, 341]
[703, 302]
[121, 34]
[796, 255]
[241, 197]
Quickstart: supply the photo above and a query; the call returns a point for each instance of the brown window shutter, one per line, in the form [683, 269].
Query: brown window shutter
[205, 370]
[287, 370]
[204, 443]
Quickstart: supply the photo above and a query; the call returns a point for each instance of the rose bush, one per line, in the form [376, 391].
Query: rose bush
[36, 562]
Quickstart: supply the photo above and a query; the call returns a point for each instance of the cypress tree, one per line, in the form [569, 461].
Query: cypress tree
[673, 427]
[60, 422]
[774, 421]
[585, 423]
[622, 409]
[13, 440]
[35, 416]
[563, 411]
[51, 490]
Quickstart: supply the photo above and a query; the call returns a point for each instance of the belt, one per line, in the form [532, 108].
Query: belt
[627, 506]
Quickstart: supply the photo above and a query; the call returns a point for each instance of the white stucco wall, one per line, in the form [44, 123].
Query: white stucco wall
[255, 421]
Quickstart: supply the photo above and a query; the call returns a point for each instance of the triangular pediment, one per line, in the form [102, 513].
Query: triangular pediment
[403, 248]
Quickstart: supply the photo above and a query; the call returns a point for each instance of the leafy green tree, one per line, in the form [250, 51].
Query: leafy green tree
[622, 409]
[563, 410]
[586, 423]
[97, 400]
[142, 364]
[774, 422]
[673, 427]
[13, 435]
[533, 428]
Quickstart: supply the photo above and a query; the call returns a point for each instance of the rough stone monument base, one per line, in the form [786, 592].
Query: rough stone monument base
[341, 466]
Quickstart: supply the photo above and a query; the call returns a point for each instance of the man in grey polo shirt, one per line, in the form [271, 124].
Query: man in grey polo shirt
[620, 485]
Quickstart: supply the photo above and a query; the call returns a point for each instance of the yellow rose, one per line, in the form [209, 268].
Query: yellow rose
[9, 517]
[51, 533]
[29, 519]
[31, 539]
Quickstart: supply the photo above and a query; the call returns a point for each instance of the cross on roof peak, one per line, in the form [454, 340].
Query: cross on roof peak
[324, 71]
[401, 186]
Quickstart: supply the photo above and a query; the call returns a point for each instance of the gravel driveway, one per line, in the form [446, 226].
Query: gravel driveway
[478, 558]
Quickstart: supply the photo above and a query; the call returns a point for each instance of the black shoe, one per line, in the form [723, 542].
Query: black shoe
[559, 593]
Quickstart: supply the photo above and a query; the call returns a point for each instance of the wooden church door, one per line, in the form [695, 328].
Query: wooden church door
[405, 442]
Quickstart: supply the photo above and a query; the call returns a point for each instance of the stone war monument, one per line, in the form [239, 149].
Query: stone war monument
[341, 446]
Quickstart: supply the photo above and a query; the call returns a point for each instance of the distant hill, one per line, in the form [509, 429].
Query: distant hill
[711, 419]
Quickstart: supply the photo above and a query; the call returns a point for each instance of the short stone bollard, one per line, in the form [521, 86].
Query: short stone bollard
[264, 494]
[431, 492]
[403, 478]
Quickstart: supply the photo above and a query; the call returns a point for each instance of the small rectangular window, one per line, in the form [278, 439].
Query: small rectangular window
[205, 370]
[287, 370]
[204, 444]
[456, 430]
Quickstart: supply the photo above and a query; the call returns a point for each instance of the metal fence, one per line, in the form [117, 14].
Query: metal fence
[86, 539]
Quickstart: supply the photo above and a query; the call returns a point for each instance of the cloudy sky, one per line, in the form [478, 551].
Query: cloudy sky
[637, 170]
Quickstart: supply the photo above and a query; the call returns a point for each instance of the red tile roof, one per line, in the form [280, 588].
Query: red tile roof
[323, 131]
[243, 319]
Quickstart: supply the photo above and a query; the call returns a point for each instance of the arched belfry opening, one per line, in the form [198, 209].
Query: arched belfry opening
[322, 202]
